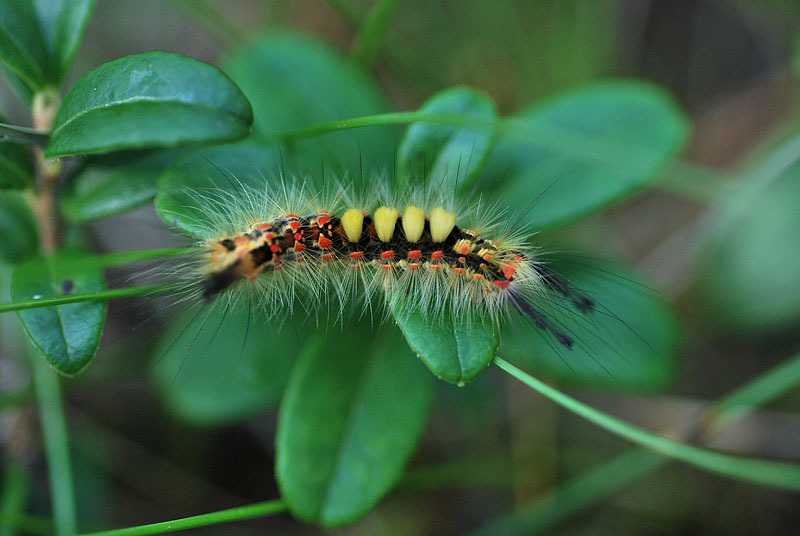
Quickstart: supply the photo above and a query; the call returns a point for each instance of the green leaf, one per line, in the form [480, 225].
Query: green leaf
[354, 410]
[295, 81]
[748, 274]
[452, 157]
[584, 150]
[22, 48]
[16, 170]
[197, 186]
[20, 237]
[155, 99]
[114, 183]
[454, 349]
[62, 24]
[631, 340]
[67, 335]
[223, 365]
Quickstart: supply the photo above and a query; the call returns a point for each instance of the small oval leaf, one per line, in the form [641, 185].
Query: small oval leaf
[631, 340]
[221, 366]
[586, 149]
[450, 157]
[155, 99]
[114, 183]
[20, 237]
[454, 349]
[62, 24]
[351, 417]
[22, 48]
[67, 335]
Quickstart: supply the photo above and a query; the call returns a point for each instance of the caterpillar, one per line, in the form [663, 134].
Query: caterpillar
[279, 243]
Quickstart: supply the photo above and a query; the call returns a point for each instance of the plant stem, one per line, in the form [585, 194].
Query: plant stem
[239, 513]
[367, 43]
[54, 430]
[114, 294]
[777, 474]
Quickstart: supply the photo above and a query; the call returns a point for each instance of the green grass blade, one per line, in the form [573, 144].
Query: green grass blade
[239, 513]
[769, 473]
[114, 294]
[367, 43]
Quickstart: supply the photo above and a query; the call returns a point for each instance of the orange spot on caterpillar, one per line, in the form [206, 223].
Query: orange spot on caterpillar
[414, 254]
[328, 256]
[458, 270]
[274, 248]
[517, 258]
[477, 277]
[435, 267]
[487, 257]
[462, 259]
[269, 237]
[437, 255]
[482, 266]
[464, 249]
[298, 247]
[295, 225]
[241, 240]
[356, 255]
[327, 213]
[413, 266]
[386, 267]
[265, 226]
[325, 242]
[289, 216]
[509, 270]
[298, 236]
[322, 220]
[387, 255]
[501, 284]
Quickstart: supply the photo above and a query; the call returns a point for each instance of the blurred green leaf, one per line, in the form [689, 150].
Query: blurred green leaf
[225, 366]
[294, 81]
[749, 276]
[22, 47]
[114, 183]
[67, 335]
[16, 170]
[20, 237]
[349, 421]
[454, 349]
[206, 181]
[631, 340]
[585, 149]
[62, 24]
[452, 157]
[155, 99]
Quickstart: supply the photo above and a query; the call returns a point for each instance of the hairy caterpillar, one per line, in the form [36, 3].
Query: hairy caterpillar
[280, 243]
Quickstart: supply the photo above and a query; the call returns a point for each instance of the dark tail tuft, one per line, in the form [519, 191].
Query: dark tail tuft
[561, 285]
[540, 320]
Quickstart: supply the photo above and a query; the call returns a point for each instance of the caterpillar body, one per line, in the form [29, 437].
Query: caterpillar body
[416, 251]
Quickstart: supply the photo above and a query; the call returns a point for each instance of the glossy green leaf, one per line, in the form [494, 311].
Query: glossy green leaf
[749, 275]
[62, 24]
[67, 335]
[451, 157]
[631, 340]
[20, 237]
[197, 186]
[223, 364]
[454, 349]
[294, 81]
[351, 417]
[22, 47]
[114, 183]
[155, 99]
[585, 149]
[16, 170]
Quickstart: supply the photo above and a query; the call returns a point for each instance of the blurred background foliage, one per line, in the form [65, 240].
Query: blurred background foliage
[717, 234]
